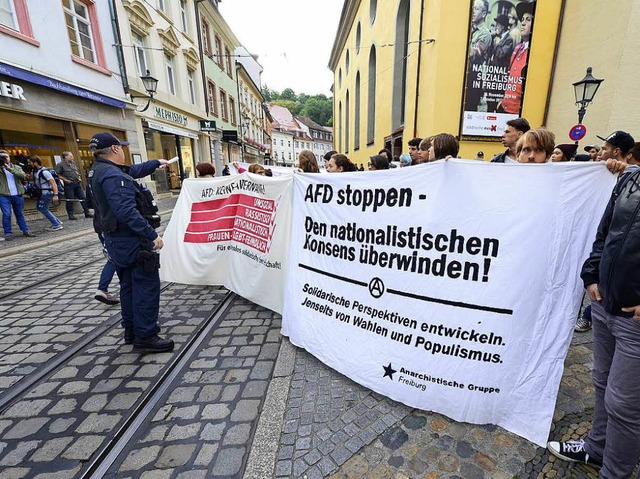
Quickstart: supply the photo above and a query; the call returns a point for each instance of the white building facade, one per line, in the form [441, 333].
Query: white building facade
[60, 80]
[283, 148]
[161, 37]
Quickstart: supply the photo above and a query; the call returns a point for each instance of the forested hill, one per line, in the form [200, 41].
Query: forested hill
[317, 107]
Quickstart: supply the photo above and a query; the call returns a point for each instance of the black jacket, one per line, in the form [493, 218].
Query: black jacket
[500, 157]
[614, 262]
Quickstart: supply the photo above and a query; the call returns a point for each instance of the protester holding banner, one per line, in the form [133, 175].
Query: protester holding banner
[564, 152]
[423, 150]
[414, 143]
[512, 99]
[307, 162]
[378, 162]
[443, 146]
[512, 133]
[611, 275]
[256, 169]
[205, 170]
[535, 146]
[340, 164]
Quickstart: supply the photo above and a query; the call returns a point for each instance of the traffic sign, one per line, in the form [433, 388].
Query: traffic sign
[577, 132]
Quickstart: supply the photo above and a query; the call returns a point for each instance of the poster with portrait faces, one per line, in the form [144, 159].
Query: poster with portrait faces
[499, 40]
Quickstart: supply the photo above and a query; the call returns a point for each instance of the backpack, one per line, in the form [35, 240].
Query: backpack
[34, 190]
[146, 205]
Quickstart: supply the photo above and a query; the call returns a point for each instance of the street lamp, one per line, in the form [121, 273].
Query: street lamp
[150, 84]
[585, 90]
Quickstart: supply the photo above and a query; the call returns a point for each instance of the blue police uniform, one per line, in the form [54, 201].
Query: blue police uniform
[129, 241]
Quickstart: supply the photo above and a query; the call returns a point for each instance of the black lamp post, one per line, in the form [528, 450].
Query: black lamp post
[585, 90]
[151, 85]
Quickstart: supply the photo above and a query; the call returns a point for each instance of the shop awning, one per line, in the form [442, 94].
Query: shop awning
[154, 125]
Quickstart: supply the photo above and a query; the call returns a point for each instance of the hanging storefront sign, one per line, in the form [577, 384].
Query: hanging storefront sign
[208, 125]
[58, 85]
[11, 90]
[496, 72]
[165, 114]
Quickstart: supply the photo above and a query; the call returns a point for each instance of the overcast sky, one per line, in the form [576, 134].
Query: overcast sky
[293, 39]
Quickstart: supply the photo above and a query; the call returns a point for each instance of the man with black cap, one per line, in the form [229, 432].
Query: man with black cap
[611, 275]
[593, 151]
[616, 146]
[502, 43]
[130, 240]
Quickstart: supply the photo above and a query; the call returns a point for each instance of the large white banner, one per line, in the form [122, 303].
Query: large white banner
[451, 287]
[234, 231]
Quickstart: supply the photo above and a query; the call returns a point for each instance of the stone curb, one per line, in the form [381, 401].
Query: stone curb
[55, 240]
[262, 457]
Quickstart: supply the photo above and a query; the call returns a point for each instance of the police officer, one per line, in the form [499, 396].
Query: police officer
[130, 240]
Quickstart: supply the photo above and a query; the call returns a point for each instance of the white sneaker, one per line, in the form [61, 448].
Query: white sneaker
[106, 297]
[55, 228]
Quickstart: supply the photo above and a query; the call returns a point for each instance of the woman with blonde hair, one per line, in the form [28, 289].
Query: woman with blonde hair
[307, 162]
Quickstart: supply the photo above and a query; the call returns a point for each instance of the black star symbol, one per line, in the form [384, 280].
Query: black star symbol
[388, 371]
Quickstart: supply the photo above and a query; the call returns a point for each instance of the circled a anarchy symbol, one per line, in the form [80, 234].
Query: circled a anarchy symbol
[376, 287]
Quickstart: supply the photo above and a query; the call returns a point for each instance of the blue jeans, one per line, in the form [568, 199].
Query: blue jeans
[17, 203]
[43, 207]
[108, 270]
[615, 435]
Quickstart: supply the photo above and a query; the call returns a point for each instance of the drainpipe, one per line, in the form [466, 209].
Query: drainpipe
[415, 114]
[116, 35]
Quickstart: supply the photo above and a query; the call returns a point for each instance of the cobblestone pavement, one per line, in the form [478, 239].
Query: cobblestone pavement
[205, 425]
[65, 420]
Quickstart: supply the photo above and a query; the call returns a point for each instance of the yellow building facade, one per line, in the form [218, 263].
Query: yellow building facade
[400, 72]
[607, 40]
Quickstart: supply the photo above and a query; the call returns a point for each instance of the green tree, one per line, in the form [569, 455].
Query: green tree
[293, 106]
[288, 94]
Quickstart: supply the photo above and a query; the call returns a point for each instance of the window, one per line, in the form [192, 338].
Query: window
[232, 107]
[219, 51]
[161, 5]
[223, 103]
[281, 142]
[400, 66]
[346, 63]
[183, 15]
[8, 15]
[373, 6]
[171, 81]
[212, 97]
[192, 87]
[228, 56]
[14, 20]
[206, 38]
[358, 37]
[371, 97]
[289, 143]
[79, 29]
[140, 54]
[356, 115]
